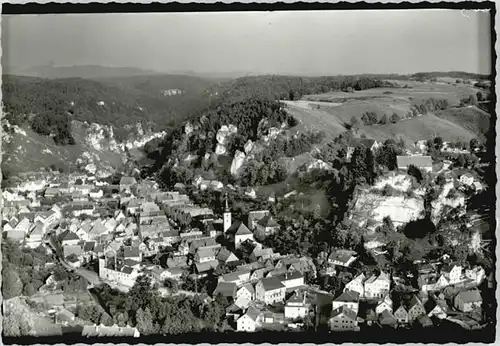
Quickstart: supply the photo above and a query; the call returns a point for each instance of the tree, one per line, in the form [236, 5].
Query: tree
[395, 118]
[144, 321]
[387, 154]
[384, 120]
[438, 143]
[358, 165]
[441, 180]
[171, 285]
[473, 144]
[29, 289]
[106, 319]
[472, 101]
[415, 172]
[12, 284]
[354, 122]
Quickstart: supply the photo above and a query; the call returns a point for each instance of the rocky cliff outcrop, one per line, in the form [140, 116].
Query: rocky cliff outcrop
[239, 158]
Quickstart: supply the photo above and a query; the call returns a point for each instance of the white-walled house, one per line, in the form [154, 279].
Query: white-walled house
[297, 306]
[249, 322]
[468, 300]
[270, 291]
[377, 286]
[349, 299]
[357, 285]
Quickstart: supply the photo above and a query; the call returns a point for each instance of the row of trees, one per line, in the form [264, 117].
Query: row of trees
[144, 308]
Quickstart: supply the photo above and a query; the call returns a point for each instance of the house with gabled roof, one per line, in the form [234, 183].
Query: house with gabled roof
[172, 273]
[227, 289]
[415, 308]
[239, 233]
[270, 290]
[437, 307]
[258, 274]
[342, 257]
[386, 318]
[247, 291]
[203, 269]
[255, 216]
[92, 331]
[384, 304]
[225, 256]
[377, 286]
[467, 301]
[127, 183]
[292, 280]
[250, 321]
[452, 272]
[299, 305]
[69, 238]
[266, 226]
[132, 252]
[401, 314]
[349, 299]
[343, 319]
[35, 235]
[476, 274]
[421, 162]
[204, 255]
[357, 285]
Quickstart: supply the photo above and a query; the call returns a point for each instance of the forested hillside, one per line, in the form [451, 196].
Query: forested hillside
[290, 87]
[251, 104]
[49, 105]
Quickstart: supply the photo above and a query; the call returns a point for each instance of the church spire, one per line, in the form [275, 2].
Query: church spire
[226, 209]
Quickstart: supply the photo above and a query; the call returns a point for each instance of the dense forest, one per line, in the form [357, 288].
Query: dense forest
[290, 87]
[48, 106]
[250, 103]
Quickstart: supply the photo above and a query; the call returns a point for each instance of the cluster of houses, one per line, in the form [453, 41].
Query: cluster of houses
[125, 226]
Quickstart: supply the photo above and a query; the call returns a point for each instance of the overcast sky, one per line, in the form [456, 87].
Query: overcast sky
[316, 42]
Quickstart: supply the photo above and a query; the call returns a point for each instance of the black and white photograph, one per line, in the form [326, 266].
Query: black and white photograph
[319, 176]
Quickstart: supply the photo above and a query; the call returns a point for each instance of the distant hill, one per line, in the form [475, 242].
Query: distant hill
[79, 71]
[49, 105]
[156, 84]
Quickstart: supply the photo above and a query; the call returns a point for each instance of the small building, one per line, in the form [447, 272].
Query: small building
[343, 319]
[421, 162]
[266, 226]
[468, 301]
[402, 315]
[467, 179]
[247, 291]
[386, 318]
[415, 308]
[127, 183]
[377, 286]
[226, 289]
[342, 257]
[298, 305]
[356, 285]
[452, 272]
[270, 291]
[113, 331]
[255, 216]
[250, 321]
[384, 305]
[69, 239]
[350, 299]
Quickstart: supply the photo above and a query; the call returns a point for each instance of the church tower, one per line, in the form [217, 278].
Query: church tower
[227, 216]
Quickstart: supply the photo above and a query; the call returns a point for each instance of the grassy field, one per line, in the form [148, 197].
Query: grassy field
[422, 127]
[330, 112]
[314, 119]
